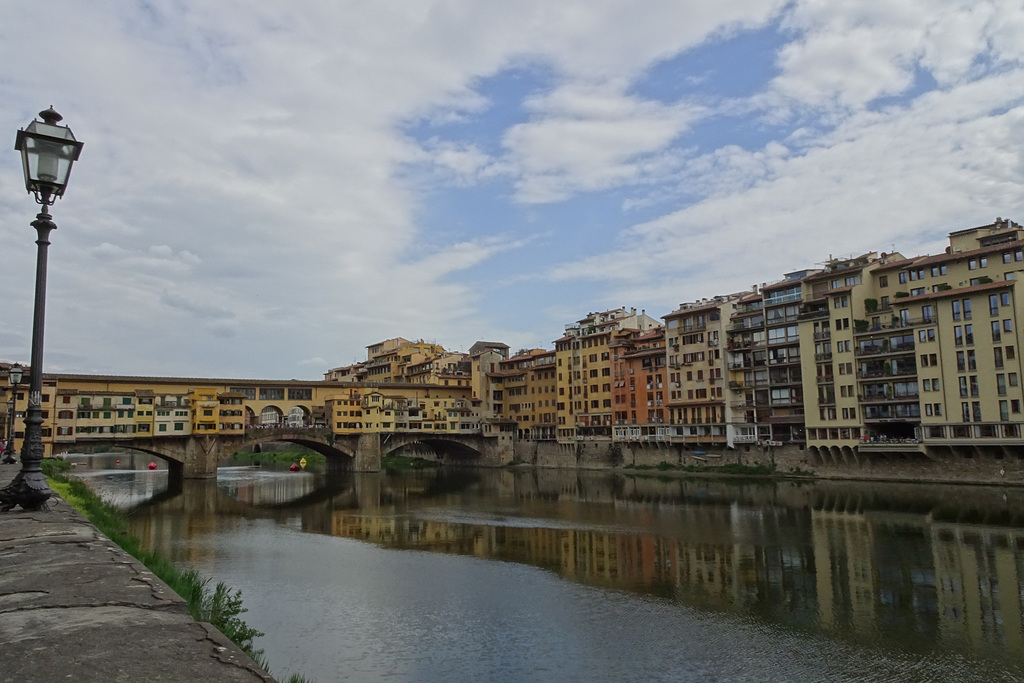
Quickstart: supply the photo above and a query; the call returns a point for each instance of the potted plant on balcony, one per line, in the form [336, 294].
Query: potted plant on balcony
[870, 305]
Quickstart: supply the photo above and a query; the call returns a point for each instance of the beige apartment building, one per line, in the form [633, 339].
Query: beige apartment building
[923, 351]
[705, 401]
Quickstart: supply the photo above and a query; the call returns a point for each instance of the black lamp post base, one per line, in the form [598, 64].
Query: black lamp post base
[27, 489]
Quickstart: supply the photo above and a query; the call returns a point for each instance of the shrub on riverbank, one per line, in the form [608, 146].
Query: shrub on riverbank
[218, 606]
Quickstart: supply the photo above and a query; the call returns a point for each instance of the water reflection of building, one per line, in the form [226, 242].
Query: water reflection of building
[852, 572]
[843, 556]
[718, 575]
[980, 576]
[883, 571]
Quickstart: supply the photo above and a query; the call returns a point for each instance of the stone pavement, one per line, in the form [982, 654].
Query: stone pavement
[74, 606]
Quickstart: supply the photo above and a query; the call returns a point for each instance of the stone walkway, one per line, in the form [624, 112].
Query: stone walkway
[74, 606]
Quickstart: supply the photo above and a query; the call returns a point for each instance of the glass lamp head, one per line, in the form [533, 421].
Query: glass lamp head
[48, 151]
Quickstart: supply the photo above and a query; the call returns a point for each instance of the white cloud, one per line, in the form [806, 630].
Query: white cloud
[243, 199]
[899, 179]
[587, 137]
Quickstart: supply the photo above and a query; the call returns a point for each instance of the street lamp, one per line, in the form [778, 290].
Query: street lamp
[48, 151]
[14, 379]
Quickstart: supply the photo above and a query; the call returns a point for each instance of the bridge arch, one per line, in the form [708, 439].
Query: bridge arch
[298, 416]
[340, 453]
[441, 447]
[271, 415]
[174, 457]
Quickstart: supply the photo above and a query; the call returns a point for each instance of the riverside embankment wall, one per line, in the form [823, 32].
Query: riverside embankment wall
[75, 606]
[788, 460]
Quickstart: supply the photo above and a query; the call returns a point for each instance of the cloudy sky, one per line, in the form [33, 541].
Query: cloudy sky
[266, 187]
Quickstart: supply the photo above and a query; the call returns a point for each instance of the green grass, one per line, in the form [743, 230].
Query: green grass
[218, 605]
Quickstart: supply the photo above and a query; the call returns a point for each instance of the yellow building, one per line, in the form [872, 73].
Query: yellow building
[530, 384]
[584, 363]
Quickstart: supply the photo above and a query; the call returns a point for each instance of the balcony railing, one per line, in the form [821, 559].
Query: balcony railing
[882, 398]
[814, 314]
[898, 372]
[782, 299]
[907, 347]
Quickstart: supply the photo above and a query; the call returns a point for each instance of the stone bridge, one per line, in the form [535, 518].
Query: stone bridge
[197, 456]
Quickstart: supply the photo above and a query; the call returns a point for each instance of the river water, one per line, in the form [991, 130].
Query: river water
[540, 575]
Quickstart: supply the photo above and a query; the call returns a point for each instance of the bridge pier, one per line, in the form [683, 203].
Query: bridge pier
[368, 453]
[202, 453]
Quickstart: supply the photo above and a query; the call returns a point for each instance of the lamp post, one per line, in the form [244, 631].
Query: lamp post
[14, 379]
[48, 151]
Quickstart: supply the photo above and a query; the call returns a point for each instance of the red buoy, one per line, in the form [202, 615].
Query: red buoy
[152, 465]
[118, 462]
[295, 467]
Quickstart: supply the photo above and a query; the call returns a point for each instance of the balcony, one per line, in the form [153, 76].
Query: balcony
[785, 419]
[813, 314]
[826, 379]
[781, 320]
[822, 357]
[889, 398]
[740, 365]
[884, 349]
[782, 299]
[896, 412]
[744, 324]
[824, 335]
[876, 373]
[898, 324]
[745, 344]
